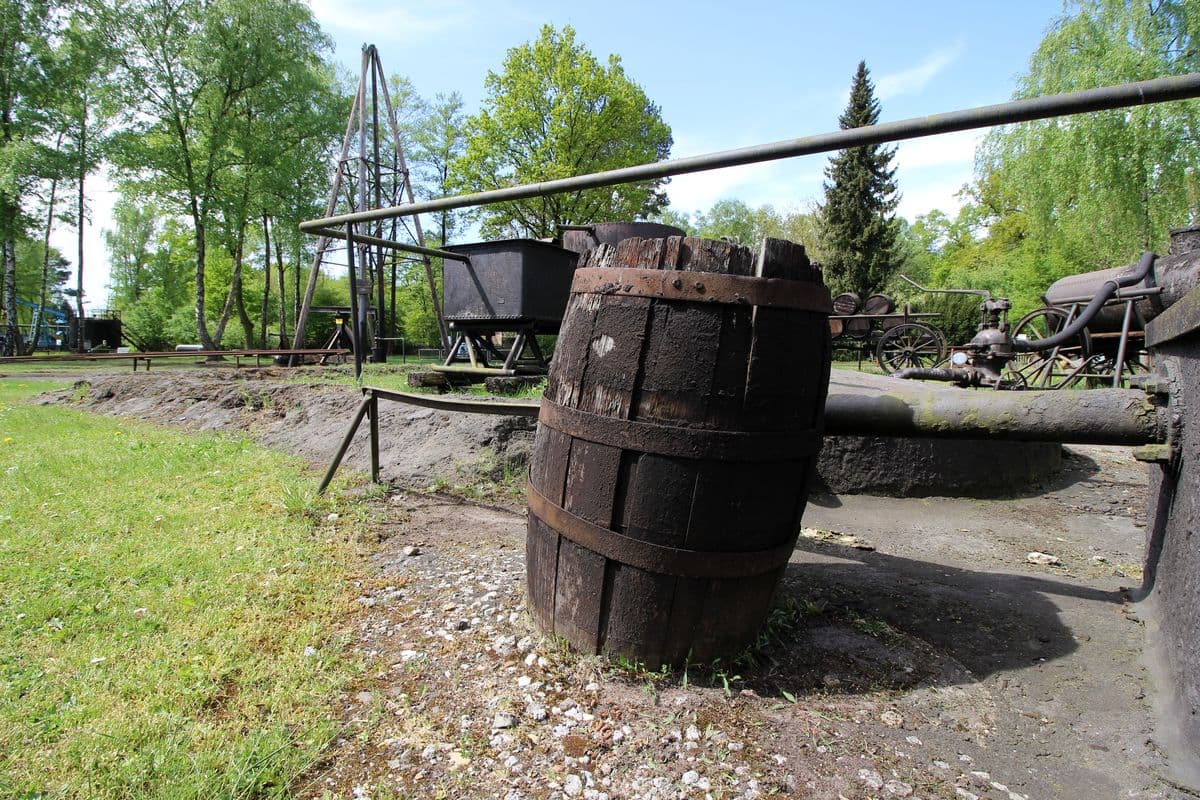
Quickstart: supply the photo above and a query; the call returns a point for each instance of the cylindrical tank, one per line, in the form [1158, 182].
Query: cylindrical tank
[1176, 273]
[675, 444]
[583, 238]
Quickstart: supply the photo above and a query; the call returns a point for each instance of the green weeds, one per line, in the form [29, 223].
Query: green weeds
[168, 608]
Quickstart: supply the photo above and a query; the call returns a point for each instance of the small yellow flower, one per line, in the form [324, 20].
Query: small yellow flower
[7, 439]
[116, 433]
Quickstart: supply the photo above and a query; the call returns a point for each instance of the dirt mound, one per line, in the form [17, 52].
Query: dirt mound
[417, 446]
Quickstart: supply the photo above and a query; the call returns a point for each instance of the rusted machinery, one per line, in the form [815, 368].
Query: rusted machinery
[1090, 332]
[896, 339]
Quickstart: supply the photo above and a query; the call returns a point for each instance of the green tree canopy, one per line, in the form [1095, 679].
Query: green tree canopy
[25, 89]
[554, 111]
[1092, 191]
[227, 99]
[858, 225]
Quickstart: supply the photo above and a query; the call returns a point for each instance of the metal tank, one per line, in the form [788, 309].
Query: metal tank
[508, 282]
[1173, 276]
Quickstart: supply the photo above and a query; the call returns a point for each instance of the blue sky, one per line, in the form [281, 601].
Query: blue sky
[732, 74]
[724, 74]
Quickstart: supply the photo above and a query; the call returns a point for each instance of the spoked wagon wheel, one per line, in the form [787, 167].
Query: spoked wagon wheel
[1065, 366]
[1137, 362]
[909, 345]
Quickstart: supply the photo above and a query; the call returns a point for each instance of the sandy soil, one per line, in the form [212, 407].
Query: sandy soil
[922, 655]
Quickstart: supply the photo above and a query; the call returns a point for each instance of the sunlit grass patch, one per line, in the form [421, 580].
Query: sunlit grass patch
[168, 605]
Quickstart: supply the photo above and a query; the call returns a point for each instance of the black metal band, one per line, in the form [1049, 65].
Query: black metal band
[655, 557]
[677, 441]
[704, 287]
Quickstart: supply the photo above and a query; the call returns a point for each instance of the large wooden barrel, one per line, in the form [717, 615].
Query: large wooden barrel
[846, 303]
[879, 304]
[675, 444]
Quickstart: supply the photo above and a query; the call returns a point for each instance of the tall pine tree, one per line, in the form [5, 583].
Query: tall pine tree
[858, 225]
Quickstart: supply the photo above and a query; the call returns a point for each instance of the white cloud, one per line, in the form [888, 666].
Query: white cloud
[779, 183]
[907, 81]
[915, 79]
[395, 21]
[921, 198]
[957, 149]
[784, 183]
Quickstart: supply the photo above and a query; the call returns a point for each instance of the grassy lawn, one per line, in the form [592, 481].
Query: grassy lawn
[168, 608]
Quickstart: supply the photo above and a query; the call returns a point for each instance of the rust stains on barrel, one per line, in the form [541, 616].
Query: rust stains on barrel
[677, 438]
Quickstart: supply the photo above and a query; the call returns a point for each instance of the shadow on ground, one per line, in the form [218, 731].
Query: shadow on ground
[855, 621]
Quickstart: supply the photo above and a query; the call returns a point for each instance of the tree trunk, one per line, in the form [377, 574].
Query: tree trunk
[206, 340]
[266, 281]
[239, 301]
[228, 309]
[79, 326]
[44, 295]
[283, 337]
[12, 332]
[8, 255]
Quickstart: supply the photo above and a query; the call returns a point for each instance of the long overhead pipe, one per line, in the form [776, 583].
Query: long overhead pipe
[1158, 90]
[1097, 416]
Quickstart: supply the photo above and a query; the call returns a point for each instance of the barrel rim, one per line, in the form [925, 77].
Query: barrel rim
[704, 287]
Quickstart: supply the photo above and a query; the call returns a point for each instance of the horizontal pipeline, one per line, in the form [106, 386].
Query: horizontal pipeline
[1092, 416]
[1158, 90]
[1086, 416]
[416, 249]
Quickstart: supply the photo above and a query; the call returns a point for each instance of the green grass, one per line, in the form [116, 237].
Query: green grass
[158, 594]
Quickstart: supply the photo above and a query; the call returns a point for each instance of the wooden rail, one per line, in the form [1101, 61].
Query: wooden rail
[147, 358]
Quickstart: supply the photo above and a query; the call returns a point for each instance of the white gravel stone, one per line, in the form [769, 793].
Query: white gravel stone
[871, 778]
[897, 788]
[690, 777]
[573, 786]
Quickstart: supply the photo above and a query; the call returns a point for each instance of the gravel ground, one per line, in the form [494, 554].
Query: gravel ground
[918, 649]
[465, 699]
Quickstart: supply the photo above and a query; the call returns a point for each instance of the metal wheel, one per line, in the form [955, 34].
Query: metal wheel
[909, 345]
[1066, 366]
[1137, 362]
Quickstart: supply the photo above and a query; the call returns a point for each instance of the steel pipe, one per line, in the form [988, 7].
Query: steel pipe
[416, 249]
[1095, 416]
[1158, 90]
